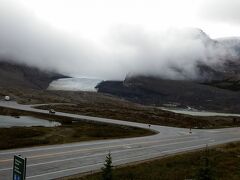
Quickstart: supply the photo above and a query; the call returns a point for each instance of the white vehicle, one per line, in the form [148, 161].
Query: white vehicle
[7, 98]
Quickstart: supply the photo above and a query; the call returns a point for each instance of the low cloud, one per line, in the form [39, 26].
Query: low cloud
[25, 39]
[173, 54]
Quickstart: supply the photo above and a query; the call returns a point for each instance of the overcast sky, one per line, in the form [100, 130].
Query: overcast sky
[95, 18]
[109, 38]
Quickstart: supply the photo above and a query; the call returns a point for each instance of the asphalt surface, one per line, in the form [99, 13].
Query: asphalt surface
[50, 162]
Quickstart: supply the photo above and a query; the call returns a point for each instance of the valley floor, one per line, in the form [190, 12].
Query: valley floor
[17, 137]
[90, 156]
[102, 105]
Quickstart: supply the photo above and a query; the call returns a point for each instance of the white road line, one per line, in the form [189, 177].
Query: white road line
[100, 163]
[70, 169]
[105, 147]
[82, 145]
[213, 142]
[113, 152]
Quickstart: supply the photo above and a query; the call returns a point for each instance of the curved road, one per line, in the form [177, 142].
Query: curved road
[55, 161]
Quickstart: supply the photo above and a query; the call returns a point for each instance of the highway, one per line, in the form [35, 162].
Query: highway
[55, 161]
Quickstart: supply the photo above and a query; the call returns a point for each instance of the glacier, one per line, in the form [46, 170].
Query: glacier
[75, 84]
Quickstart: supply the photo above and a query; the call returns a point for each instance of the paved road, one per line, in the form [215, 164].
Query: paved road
[49, 162]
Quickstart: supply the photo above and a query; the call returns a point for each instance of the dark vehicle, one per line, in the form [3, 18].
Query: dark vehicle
[52, 111]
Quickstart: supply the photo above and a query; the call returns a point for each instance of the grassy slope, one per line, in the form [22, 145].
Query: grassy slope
[224, 163]
[16, 137]
[145, 114]
[97, 104]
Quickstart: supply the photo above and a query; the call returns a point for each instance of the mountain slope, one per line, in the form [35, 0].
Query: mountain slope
[226, 77]
[156, 91]
[19, 75]
[212, 84]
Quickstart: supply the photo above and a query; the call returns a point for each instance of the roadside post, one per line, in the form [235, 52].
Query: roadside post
[19, 167]
[190, 130]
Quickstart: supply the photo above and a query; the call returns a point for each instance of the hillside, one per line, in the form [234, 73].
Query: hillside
[214, 86]
[14, 75]
[157, 92]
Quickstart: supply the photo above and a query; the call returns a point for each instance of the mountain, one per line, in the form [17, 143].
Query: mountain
[228, 77]
[233, 43]
[217, 87]
[19, 75]
[158, 92]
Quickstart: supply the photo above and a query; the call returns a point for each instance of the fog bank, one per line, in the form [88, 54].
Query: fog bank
[172, 54]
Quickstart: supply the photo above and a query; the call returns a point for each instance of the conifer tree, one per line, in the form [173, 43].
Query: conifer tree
[107, 169]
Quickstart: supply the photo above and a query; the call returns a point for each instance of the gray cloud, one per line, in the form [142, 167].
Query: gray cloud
[173, 54]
